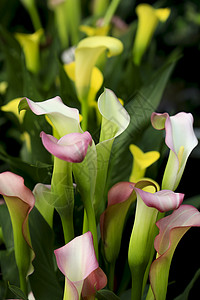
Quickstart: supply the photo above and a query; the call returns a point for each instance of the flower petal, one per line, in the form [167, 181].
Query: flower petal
[96, 281]
[180, 139]
[163, 201]
[71, 147]
[77, 260]
[86, 55]
[148, 19]
[64, 118]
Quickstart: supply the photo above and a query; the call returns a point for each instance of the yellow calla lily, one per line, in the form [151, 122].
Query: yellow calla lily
[95, 84]
[30, 45]
[12, 107]
[148, 19]
[86, 56]
[141, 161]
[93, 31]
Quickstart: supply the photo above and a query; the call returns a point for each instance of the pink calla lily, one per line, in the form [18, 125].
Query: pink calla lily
[180, 139]
[77, 261]
[172, 228]
[143, 233]
[71, 147]
[20, 201]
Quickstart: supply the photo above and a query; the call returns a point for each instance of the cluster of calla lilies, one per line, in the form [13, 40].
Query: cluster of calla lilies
[81, 165]
[77, 160]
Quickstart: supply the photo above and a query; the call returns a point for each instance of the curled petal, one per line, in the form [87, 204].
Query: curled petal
[64, 118]
[71, 147]
[96, 281]
[163, 201]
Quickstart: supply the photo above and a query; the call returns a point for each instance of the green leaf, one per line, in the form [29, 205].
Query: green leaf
[32, 174]
[185, 294]
[44, 281]
[140, 108]
[106, 295]
[17, 291]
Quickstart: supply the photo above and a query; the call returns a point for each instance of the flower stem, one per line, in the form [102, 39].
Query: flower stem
[84, 112]
[63, 194]
[110, 11]
[91, 223]
[111, 276]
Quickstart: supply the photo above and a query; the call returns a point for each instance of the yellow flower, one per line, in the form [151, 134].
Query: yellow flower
[95, 84]
[141, 161]
[93, 31]
[30, 45]
[86, 55]
[12, 107]
[148, 19]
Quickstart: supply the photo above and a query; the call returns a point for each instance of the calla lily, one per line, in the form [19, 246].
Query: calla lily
[148, 19]
[95, 84]
[71, 147]
[64, 119]
[115, 120]
[30, 46]
[172, 228]
[149, 202]
[20, 201]
[77, 261]
[12, 106]
[93, 31]
[141, 161]
[86, 55]
[180, 139]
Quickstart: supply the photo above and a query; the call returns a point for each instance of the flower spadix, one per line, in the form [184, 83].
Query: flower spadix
[115, 120]
[77, 261]
[30, 45]
[141, 161]
[148, 19]
[149, 202]
[86, 55]
[71, 147]
[180, 139]
[20, 201]
[172, 228]
[65, 119]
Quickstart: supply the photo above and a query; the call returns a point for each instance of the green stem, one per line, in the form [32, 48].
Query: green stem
[23, 283]
[35, 17]
[92, 223]
[62, 24]
[67, 223]
[63, 194]
[84, 112]
[110, 11]
[85, 222]
[111, 276]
